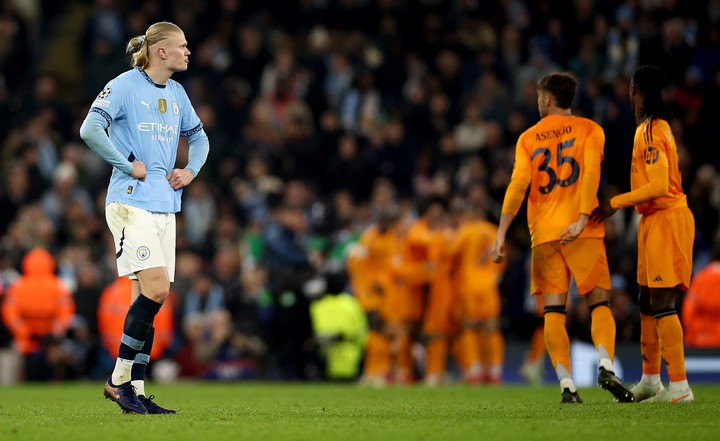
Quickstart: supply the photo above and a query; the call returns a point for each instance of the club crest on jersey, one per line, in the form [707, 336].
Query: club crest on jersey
[176, 108]
[162, 105]
[143, 253]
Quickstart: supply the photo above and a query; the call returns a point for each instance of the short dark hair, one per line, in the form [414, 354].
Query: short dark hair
[651, 81]
[561, 85]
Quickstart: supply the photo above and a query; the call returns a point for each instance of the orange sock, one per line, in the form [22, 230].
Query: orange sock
[558, 343]
[377, 355]
[603, 331]
[404, 359]
[671, 338]
[496, 343]
[537, 345]
[470, 348]
[495, 349]
[436, 356]
[383, 357]
[649, 345]
[370, 354]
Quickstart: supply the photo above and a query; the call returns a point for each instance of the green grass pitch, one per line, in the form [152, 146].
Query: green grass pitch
[257, 411]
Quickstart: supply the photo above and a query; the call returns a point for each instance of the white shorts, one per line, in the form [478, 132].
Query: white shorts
[142, 239]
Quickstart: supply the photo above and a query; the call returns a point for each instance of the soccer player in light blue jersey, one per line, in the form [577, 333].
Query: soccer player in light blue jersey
[135, 124]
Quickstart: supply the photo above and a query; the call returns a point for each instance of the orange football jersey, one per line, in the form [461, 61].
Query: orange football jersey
[374, 266]
[471, 249]
[654, 147]
[551, 157]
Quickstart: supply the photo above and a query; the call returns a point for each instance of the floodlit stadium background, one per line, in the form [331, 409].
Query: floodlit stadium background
[330, 105]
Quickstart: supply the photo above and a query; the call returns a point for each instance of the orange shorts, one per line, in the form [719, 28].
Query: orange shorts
[480, 304]
[371, 292]
[394, 308]
[665, 247]
[583, 259]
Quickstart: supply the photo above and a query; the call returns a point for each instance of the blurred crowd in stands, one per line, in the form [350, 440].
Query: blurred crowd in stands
[318, 112]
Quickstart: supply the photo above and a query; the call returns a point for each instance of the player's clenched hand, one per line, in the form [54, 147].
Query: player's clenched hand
[602, 212]
[573, 231]
[138, 171]
[179, 178]
[498, 250]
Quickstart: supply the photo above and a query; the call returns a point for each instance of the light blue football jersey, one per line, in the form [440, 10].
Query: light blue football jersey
[145, 122]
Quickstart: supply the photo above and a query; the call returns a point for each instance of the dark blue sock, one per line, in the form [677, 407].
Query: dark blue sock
[138, 322]
[143, 358]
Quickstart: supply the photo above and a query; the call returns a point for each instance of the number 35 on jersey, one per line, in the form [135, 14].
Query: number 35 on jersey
[562, 170]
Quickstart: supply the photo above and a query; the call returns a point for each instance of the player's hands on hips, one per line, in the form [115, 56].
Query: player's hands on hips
[498, 250]
[573, 231]
[179, 178]
[602, 212]
[138, 171]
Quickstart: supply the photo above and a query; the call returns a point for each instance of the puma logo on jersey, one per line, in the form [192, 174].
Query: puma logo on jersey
[145, 104]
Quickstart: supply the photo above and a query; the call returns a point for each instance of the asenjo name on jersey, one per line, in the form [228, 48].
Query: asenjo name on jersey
[551, 134]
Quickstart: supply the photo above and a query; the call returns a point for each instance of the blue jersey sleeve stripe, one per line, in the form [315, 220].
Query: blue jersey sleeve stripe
[191, 132]
[104, 114]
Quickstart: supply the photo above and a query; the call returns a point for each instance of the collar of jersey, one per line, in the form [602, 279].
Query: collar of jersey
[148, 79]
